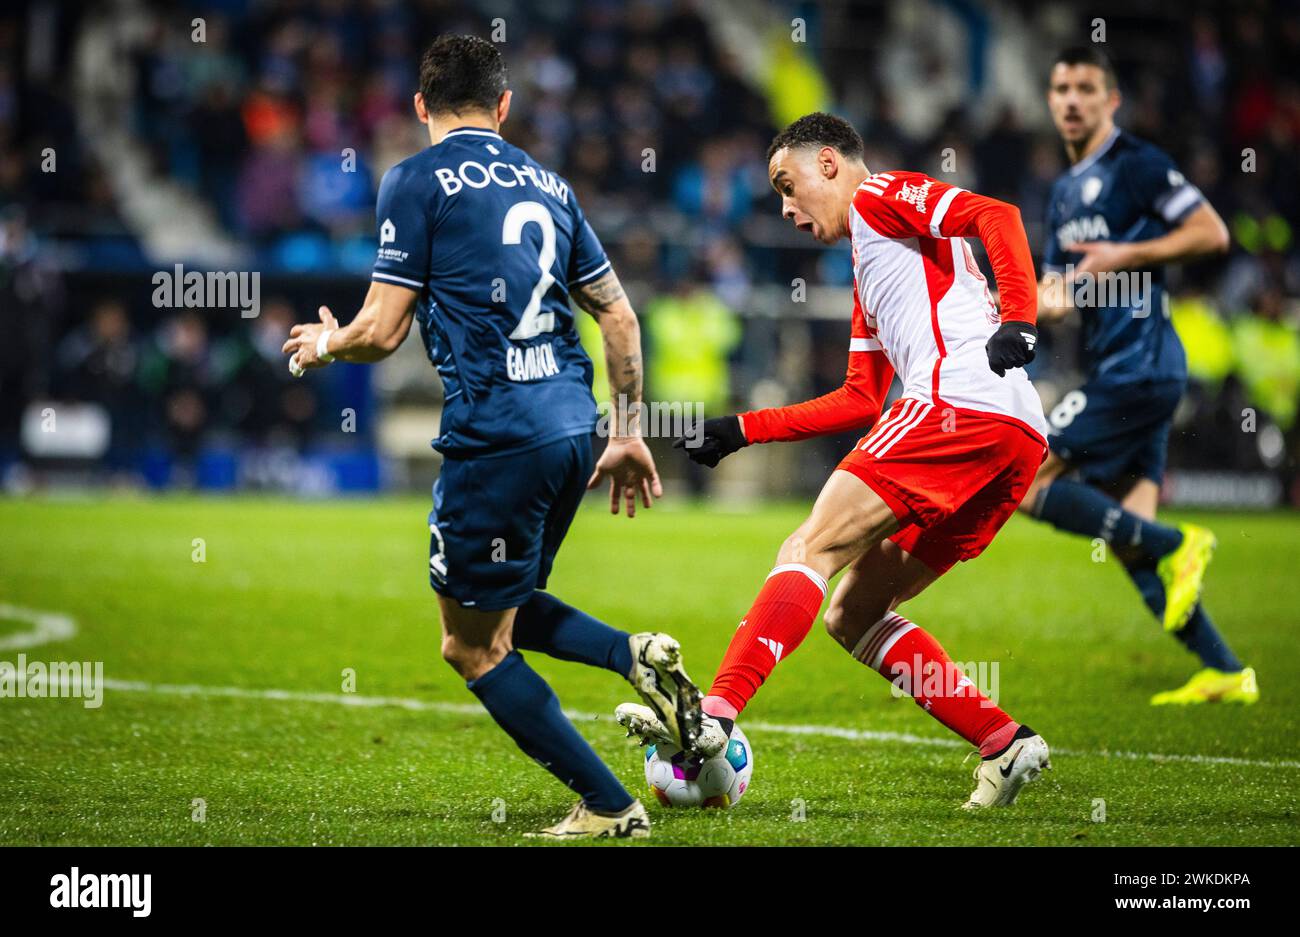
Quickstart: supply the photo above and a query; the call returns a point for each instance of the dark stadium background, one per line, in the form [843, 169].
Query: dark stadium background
[227, 154]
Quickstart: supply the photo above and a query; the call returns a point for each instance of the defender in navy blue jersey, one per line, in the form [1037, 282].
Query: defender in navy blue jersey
[1115, 218]
[493, 242]
[486, 247]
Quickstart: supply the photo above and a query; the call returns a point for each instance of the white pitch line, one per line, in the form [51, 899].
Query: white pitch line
[822, 731]
[46, 627]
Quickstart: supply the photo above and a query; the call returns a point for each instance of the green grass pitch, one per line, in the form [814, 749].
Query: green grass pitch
[226, 677]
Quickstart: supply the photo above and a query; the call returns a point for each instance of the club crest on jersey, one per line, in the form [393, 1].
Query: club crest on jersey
[1091, 189]
[915, 195]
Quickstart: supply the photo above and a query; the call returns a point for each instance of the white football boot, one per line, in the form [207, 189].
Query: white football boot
[712, 738]
[585, 823]
[998, 779]
[658, 676]
[641, 721]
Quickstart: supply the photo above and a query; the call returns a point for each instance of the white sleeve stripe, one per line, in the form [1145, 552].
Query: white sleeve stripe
[865, 344]
[376, 275]
[941, 210]
[585, 277]
[1178, 203]
[873, 189]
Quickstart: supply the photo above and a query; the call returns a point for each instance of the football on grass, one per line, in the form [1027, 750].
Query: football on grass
[682, 780]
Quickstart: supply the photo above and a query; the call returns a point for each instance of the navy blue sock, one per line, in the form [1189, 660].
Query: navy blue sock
[1199, 634]
[546, 624]
[1082, 509]
[1203, 639]
[524, 705]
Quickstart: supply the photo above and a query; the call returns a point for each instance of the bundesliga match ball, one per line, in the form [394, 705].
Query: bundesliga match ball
[681, 780]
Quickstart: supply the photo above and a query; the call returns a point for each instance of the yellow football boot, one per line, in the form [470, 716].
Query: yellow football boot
[1213, 686]
[1183, 572]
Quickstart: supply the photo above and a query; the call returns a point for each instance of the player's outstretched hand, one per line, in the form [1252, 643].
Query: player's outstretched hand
[630, 468]
[301, 346]
[1011, 346]
[722, 436]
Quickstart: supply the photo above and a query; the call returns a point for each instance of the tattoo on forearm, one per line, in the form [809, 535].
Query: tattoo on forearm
[626, 378]
[625, 391]
[598, 295]
[622, 346]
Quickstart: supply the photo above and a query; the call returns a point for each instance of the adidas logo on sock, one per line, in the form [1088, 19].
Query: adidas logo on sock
[776, 647]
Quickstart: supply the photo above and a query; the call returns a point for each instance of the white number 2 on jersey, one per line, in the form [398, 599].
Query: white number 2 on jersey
[533, 322]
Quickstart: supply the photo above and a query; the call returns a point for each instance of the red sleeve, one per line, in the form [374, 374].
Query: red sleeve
[998, 225]
[910, 204]
[854, 405]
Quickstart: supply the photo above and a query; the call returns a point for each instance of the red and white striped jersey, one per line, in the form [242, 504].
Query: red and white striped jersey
[924, 300]
[922, 310]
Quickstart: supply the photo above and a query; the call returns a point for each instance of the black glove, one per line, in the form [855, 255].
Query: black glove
[1011, 346]
[722, 436]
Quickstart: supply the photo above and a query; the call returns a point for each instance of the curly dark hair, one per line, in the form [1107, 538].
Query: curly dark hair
[819, 129]
[462, 73]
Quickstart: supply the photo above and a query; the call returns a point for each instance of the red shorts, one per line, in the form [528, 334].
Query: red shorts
[951, 476]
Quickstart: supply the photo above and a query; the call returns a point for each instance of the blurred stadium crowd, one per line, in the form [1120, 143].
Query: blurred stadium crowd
[251, 135]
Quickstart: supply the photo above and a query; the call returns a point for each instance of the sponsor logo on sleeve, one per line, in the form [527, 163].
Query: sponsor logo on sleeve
[915, 195]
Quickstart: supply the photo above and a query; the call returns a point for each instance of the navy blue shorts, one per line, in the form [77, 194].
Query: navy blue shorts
[498, 521]
[1113, 432]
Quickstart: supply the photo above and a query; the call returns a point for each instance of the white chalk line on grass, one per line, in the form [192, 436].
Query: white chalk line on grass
[45, 627]
[48, 627]
[820, 731]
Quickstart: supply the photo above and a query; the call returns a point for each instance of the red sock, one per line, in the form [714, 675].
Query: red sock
[912, 659]
[777, 623]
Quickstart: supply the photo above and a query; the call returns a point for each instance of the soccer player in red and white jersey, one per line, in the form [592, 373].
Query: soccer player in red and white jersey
[936, 476]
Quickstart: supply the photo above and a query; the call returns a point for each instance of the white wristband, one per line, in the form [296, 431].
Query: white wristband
[322, 346]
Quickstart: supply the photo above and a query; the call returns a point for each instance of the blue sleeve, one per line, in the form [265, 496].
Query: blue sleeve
[1053, 256]
[1160, 188]
[405, 220]
[587, 260]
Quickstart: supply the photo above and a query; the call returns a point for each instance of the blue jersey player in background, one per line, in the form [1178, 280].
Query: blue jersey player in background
[485, 247]
[1124, 208]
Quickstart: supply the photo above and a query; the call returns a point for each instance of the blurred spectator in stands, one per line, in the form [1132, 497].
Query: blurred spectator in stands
[98, 362]
[714, 189]
[268, 184]
[177, 370]
[31, 313]
[218, 131]
[1268, 358]
[690, 334]
[261, 398]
